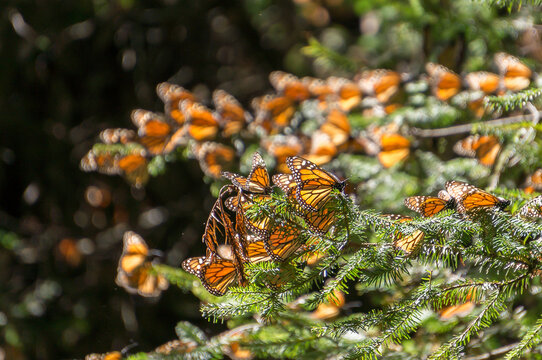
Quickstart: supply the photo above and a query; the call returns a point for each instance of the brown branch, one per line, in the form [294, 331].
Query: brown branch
[466, 128]
[493, 354]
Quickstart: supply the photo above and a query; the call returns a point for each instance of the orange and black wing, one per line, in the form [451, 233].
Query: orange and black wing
[532, 209]
[134, 252]
[407, 243]
[289, 85]
[117, 136]
[444, 82]
[314, 184]
[202, 122]
[320, 221]
[257, 181]
[155, 133]
[258, 225]
[173, 95]
[283, 241]
[232, 117]
[216, 275]
[469, 197]
[142, 281]
[427, 206]
[380, 83]
[483, 81]
[394, 148]
[214, 158]
[337, 127]
[484, 147]
[515, 75]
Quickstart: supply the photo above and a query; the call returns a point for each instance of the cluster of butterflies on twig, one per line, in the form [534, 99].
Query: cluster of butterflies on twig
[233, 238]
[464, 199]
[277, 118]
[230, 341]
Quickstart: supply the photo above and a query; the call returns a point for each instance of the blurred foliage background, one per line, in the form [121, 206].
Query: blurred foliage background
[69, 69]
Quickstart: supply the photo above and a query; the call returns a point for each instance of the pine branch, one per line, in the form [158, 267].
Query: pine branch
[532, 338]
[512, 101]
[468, 128]
[331, 58]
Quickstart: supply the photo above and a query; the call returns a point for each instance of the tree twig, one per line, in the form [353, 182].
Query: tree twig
[466, 128]
[493, 354]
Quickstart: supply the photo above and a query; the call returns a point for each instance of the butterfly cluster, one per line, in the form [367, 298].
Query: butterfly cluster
[277, 121]
[234, 237]
[465, 199]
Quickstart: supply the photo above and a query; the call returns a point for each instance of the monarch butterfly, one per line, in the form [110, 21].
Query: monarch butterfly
[232, 117]
[214, 158]
[220, 228]
[202, 123]
[257, 181]
[114, 355]
[289, 85]
[532, 209]
[155, 134]
[347, 93]
[117, 136]
[337, 127]
[322, 149]
[318, 88]
[381, 83]
[281, 147]
[483, 81]
[409, 242]
[483, 147]
[468, 197]
[130, 162]
[172, 96]
[515, 75]
[176, 347]
[283, 241]
[444, 82]
[330, 308]
[135, 271]
[428, 206]
[458, 310]
[273, 112]
[216, 275]
[534, 182]
[314, 184]
[394, 148]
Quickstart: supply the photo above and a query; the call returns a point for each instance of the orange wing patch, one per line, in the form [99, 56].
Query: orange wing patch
[444, 82]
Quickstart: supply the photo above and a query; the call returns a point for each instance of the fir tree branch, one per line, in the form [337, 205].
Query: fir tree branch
[332, 58]
[512, 101]
[467, 128]
[532, 338]
[493, 354]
